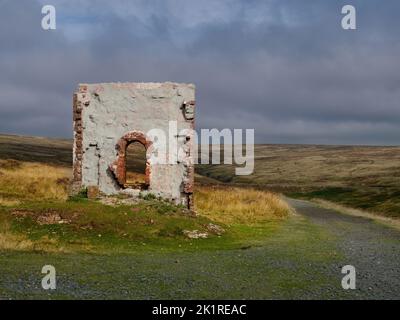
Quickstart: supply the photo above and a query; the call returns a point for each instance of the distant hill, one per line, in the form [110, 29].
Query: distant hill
[303, 166]
[59, 152]
[36, 149]
[364, 177]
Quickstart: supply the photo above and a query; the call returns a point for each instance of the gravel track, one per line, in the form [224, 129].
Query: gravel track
[372, 248]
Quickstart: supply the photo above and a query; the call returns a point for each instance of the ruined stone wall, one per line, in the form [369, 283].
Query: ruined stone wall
[109, 116]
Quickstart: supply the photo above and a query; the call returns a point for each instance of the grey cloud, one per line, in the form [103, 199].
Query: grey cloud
[291, 72]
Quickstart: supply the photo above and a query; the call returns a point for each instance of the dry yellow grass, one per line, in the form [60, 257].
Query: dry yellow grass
[8, 202]
[21, 181]
[12, 241]
[9, 241]
[239, 205]
[18, 242]
[135, 180]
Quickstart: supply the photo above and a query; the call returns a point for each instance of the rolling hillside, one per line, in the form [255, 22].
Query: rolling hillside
[363, 177]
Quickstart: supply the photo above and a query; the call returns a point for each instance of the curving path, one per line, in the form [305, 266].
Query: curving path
[372, 248]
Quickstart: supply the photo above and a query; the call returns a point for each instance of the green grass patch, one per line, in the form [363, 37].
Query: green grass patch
[101, 226]
[83, 225]
[278, 260]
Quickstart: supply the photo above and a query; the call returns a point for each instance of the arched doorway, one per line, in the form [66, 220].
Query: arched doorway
[136, 166]
[120, 167]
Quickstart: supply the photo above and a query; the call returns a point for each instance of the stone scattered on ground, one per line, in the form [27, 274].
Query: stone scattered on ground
[195, 234]
[43, 218]
[131, 192]
[215, 229]
[92, 192]
[115, 201]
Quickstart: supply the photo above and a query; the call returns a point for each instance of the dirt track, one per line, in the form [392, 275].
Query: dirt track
[373, 249]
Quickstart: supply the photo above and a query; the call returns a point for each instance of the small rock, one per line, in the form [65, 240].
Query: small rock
[195, 234]
[216, 229]
[131, 192]
[92, 192]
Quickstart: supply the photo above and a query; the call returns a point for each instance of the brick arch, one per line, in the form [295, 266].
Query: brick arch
[118, 167]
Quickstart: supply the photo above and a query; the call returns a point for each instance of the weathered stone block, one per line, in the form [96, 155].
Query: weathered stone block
[92, 192]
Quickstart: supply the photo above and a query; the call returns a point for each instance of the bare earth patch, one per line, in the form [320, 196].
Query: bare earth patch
[44, 218]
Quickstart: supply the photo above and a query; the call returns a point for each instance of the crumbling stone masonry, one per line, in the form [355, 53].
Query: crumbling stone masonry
[109, 116]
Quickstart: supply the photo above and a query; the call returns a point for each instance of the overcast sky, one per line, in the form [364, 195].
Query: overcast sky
[285, 68]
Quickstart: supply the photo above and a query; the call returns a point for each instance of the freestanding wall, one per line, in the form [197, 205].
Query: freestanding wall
[109, 116]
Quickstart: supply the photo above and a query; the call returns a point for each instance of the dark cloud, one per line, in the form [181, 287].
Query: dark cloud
[285, 68]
